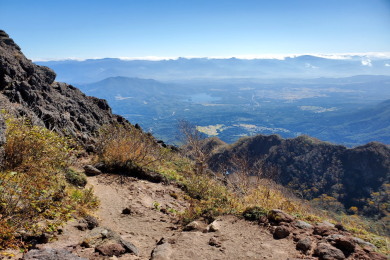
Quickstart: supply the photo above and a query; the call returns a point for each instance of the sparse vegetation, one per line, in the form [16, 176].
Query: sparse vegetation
[124, 145]
[78, 179]
[34, 195]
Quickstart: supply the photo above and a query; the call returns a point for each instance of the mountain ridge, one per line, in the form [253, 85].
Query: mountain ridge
[313, 168]
[305, 66]
[30, 90]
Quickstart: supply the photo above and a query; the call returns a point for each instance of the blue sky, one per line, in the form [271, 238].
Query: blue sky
[59, 29]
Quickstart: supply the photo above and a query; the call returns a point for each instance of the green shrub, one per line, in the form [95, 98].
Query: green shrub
[254, 213]
[78, 179]
[34, 197]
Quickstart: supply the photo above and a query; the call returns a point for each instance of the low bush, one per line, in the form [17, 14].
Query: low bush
[126, 145]
[34, 197]
[254, 213]
[78, 179]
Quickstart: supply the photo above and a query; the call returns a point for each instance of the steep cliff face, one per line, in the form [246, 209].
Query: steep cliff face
[30, 90]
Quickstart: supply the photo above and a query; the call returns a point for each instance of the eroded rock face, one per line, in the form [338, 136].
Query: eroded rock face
[30, 90]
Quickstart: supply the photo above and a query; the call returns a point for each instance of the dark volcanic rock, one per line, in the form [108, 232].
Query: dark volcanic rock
[30, 90]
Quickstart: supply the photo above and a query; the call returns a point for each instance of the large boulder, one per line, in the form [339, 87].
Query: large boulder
[277, 216]
[326, 251]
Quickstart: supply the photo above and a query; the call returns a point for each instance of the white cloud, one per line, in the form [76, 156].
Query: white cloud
[308, 65]
[366, 62]
[366, 57]
[387, 65]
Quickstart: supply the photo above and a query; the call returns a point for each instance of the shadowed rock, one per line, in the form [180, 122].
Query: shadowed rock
[30, 90]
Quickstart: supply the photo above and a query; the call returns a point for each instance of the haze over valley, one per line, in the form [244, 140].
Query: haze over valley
[231, 98]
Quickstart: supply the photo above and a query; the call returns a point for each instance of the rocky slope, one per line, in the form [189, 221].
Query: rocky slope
[138, 219]
[30, 90]
[313, 168]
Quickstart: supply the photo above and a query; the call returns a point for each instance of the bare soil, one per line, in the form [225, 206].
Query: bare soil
[155, 208]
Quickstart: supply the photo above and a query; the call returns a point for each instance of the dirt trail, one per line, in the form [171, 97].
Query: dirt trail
[237, 239]
[153, 216]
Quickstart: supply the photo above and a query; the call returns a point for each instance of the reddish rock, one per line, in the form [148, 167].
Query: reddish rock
[281, 232]
[324, 230]
[326, 251]
[110, 249]
[345, 244]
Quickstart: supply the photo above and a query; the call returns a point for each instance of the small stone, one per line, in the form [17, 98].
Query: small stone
[214, 242]
[214, 227]
[162, 251]
[130, 247]
[194, 226]
[127, 211]
[110, 249]
[333, 237]
[82, 226]
[363, 243]
[340, 227]
[326, 224]
[91, 221]
[91, 171]
[281, 232]
[304, 244]
[324, 230]
[302, 224]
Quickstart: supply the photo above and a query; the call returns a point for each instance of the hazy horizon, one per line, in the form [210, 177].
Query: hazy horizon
[58, 30]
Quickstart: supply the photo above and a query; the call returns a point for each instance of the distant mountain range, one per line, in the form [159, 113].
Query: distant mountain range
[305, 66]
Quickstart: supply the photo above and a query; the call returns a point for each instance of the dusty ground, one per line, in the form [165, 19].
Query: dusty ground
[148, 224]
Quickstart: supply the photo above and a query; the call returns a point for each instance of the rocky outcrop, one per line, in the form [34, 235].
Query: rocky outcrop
[51, 254]
[30, 90]
[321, 240]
